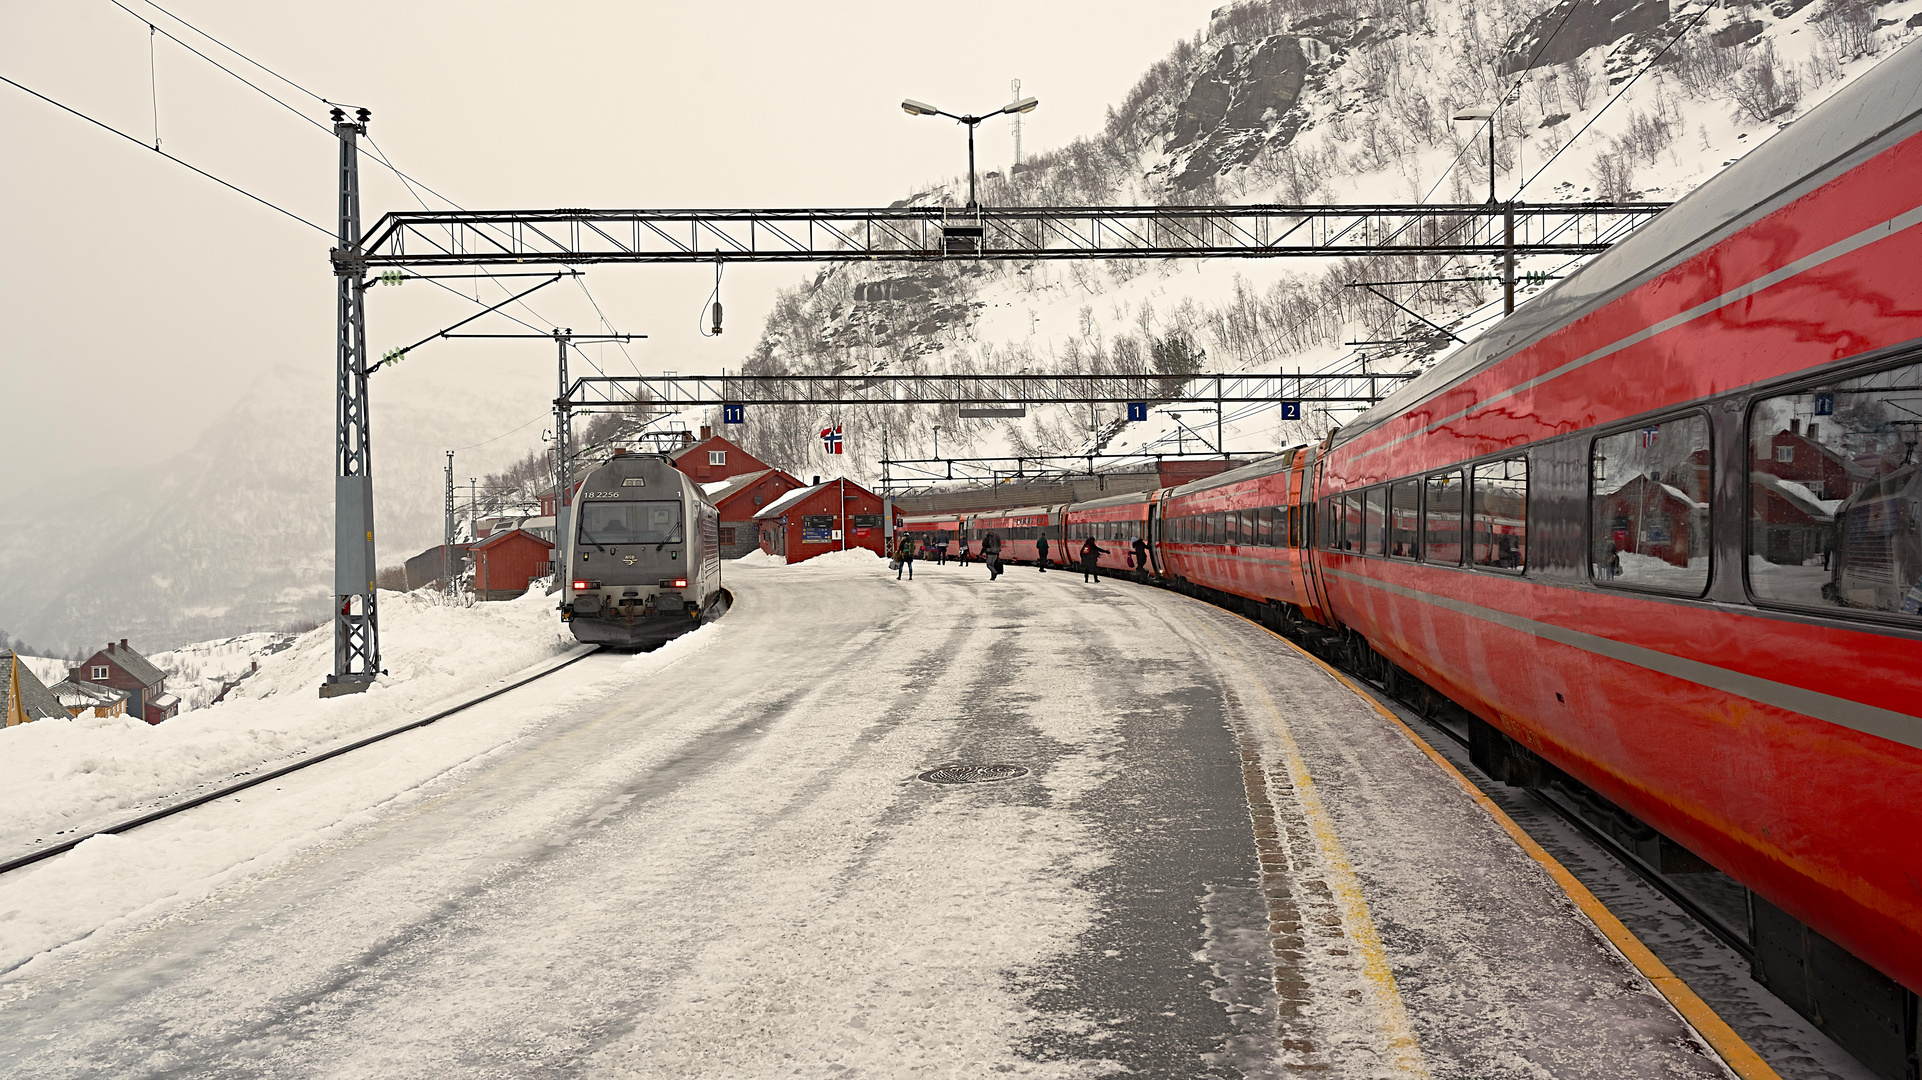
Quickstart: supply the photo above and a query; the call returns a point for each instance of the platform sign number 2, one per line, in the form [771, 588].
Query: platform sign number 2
[1291, 410]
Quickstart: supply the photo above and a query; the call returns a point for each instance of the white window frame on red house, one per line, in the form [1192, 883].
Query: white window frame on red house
[717, 457]
[101, 672]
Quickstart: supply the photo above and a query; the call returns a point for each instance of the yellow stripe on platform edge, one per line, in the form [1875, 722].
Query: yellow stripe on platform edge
[1397, 1031]
[1734, 1051]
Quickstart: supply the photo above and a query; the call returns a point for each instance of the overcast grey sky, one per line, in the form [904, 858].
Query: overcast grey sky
[138, 297]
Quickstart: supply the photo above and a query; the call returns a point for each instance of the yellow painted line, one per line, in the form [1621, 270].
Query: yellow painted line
[1397, 1031]
[1737, 1053]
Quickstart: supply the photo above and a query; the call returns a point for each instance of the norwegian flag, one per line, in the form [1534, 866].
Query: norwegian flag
[831, 438]
[1649, 435]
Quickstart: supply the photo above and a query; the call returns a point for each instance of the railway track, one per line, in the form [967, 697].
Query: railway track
[49, 851]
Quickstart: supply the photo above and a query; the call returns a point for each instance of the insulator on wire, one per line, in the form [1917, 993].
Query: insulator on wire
[717, 318]
[392, 277]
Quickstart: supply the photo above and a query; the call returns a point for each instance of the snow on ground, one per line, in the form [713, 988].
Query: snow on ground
[63, 777]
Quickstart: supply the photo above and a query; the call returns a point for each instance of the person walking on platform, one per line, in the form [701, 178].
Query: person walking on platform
[963, 554]
[1090, 554]
[941, 548]
[991, 554]
[904, 557]
[1041, 553]
[1141, 557]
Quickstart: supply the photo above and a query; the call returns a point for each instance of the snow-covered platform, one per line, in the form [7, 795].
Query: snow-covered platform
[719, 860]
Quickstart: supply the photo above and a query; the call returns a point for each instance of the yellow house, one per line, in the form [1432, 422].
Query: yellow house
[27, 698]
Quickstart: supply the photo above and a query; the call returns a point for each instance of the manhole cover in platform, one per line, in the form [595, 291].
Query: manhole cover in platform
[972, 774]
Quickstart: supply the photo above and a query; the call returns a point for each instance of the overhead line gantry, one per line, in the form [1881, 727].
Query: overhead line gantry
[911, 234]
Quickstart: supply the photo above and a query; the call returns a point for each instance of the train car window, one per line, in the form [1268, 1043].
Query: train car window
[1330, 525]
[1351, 522]
[1501, 513]
[1294, 526]
[1403, 520]
[1648, 507]
[1265, 527]
[1218, 528]
[1377, 521]
[1835, 496]
[1442, 522]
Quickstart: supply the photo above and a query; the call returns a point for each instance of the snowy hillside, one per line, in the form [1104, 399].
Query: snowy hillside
[1309, 101]
[1286, 101]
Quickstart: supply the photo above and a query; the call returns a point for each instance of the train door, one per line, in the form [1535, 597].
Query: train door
[1310, 490]
[1154, 535]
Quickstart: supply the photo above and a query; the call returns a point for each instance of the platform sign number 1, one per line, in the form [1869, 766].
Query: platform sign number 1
[1291, 410]
[1137, 410]
[734, 414]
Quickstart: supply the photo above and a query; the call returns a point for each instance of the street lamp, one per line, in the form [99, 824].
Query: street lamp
[937, 440]
[1486, 114]
[922, 108]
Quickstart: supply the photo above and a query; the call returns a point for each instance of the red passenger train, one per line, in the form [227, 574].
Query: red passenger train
[1662, 530]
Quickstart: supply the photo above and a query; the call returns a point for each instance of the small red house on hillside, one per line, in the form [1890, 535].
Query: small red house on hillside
[505, 562]
[817, 520]
[714, 458]
[741, 497]
[124, 669]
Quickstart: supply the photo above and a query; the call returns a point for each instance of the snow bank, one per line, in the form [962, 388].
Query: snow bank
[757, 557]
[64, 777]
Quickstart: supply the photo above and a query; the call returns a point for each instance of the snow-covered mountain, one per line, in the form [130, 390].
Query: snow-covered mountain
[1281, 101]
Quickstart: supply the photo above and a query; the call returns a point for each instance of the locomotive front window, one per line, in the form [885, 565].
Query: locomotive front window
[1835, 496]
[1648, 507]
[613, 523]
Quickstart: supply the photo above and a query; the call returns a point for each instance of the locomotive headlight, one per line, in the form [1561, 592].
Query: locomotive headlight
[674, 583]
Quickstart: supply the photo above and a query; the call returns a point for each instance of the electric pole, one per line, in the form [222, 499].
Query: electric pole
[356, 628]
[447, 530]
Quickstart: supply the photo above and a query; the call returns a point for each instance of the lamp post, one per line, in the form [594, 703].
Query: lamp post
[937, 440]
[922, 108]
[1487, 115]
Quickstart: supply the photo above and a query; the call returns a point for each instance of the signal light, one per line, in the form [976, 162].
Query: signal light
[675, 583]
[583, 586]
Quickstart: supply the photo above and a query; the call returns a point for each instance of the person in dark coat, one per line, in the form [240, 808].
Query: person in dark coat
[991, 554]
[962, 555]
[1090, 568]
[1041, 553]
[1141, 556]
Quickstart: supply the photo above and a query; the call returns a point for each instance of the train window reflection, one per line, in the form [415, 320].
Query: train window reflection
[1835, 495]
[631, 523]
[1377, 521]
[1501, 513]
[1402, 522]
[1648, 507]
[1442, 527]
[1351, 514]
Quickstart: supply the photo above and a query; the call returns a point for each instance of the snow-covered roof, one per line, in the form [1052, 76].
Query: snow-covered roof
[35, 699]
[501, 537]
[719, 491]
[133, 663]
[1797, 495]
[780, 505]
[85, 695]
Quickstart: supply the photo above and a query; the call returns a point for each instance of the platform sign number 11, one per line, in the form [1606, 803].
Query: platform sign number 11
[734, 414]
[1825, 404]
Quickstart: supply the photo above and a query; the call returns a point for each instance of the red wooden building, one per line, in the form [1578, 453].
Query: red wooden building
[739, 498]
[505, 562]
[122, 668]
[836, 515]
[713, 458]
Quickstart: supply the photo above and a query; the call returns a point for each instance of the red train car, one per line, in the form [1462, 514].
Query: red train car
[1114, 523]
[1662, 529]
[1020, 529]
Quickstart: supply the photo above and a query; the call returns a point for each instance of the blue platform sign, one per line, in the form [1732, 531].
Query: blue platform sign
[1137, 410]
[1825, 404]
[734, 414]
[1291, 410]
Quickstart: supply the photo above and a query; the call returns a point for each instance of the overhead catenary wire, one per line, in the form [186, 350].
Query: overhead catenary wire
[140, 143]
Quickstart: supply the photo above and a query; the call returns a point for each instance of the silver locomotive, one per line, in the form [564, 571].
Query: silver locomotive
[643, 557]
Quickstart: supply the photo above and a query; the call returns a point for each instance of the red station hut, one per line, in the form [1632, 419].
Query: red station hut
[505, 562]
[836, 515]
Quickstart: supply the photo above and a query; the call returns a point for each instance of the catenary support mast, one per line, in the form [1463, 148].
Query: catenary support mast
[356, 625]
